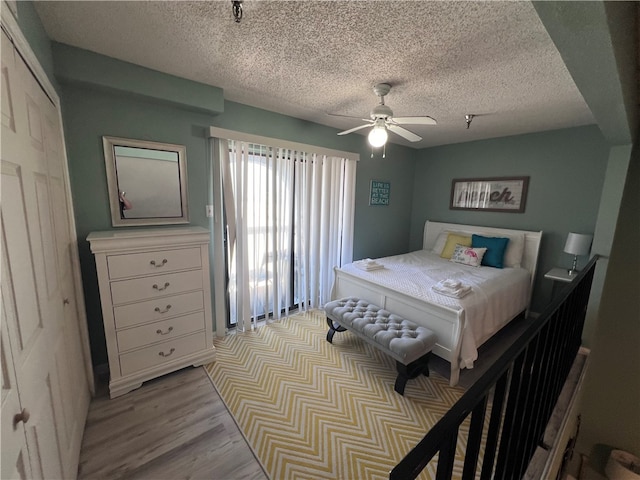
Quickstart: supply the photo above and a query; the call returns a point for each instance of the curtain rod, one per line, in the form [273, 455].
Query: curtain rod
[216, 132]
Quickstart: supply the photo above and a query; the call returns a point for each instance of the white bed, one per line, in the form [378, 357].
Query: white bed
[404, 286]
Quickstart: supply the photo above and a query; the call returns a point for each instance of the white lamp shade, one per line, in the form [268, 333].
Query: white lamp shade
[578, 243]
[378, 136]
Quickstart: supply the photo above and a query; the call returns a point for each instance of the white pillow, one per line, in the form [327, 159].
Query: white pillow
[441, 241]
[515, 250]
[468, 256]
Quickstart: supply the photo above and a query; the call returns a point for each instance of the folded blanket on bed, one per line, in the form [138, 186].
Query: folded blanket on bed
[367, 264]
[451, 288]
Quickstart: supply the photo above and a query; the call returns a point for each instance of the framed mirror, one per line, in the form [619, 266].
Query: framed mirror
[147, 182]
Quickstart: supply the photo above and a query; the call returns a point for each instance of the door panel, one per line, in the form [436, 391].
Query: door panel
[34, 126]
[42, 437]
[61, 223]
[16, 240]
[8, 119]
[15, 462]
[45, 227]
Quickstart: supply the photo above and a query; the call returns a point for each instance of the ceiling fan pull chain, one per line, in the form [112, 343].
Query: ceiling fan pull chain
[384, 151]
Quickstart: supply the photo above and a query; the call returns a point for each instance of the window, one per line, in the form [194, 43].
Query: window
[289, 222]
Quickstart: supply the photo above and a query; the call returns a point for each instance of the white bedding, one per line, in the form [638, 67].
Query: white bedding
[497, 296]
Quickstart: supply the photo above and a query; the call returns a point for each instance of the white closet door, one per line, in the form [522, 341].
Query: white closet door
[38, 288]
[71, 386]
[15, 458]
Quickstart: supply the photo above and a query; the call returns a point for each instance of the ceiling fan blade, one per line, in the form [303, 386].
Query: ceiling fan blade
[414, 120]
[355, 129]
[404, 133]
[348, 116]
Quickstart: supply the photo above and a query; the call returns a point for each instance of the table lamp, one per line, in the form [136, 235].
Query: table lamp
[577, 244]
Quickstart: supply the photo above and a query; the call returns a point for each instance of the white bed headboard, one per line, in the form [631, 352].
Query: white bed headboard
[531, 240]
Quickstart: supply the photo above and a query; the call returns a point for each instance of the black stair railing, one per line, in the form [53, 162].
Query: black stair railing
[518, 393]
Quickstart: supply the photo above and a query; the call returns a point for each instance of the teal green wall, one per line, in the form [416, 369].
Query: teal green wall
[90, 112]
[81, 66]
[566, 170]
[612, 385]
[87, 116]
[598, 44]
[31, 27]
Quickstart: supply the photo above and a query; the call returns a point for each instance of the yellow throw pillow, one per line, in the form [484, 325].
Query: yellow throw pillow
[452, 241]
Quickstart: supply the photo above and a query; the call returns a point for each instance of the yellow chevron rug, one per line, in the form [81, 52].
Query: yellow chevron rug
[315, 410]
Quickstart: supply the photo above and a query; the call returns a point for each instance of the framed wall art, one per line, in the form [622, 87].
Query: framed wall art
[496, 194]
[380, 192]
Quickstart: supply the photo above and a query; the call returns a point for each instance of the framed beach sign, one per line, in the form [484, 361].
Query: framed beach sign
[380, 193]
[499, 194]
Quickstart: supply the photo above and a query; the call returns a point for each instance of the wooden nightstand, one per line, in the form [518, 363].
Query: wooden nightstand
[560, 275]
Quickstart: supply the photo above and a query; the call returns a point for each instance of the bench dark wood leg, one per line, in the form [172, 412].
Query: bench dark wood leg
[333, 328]
[401, 379]
[406, 372]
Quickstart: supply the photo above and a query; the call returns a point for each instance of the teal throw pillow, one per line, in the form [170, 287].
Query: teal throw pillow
[496, 246]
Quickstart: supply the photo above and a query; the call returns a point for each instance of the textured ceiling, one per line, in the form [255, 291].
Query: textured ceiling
[306, 59]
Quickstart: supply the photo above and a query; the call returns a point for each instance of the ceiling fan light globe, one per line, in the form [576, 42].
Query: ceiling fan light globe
[378, 137]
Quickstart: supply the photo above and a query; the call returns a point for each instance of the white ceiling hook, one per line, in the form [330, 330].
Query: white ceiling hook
[468, 117]
[236, 6]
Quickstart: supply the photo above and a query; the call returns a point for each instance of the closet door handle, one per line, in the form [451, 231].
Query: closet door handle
[162, 354]
[156, 287]
[160, 332]
[157, 265]
[166, 309]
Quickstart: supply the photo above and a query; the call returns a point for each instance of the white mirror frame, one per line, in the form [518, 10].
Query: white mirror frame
[117, 220]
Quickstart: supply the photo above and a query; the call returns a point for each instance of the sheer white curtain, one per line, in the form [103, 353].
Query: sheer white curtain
[289, 223]
[324, 199]
[258, 186]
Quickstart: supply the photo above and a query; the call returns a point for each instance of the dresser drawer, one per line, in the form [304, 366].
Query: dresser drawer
[135, 264]
[124, 291]
[161, 353]
[159, 331]
[157, 309]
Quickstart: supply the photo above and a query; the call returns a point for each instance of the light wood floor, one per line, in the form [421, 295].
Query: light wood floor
[176, 426]
[172, 427]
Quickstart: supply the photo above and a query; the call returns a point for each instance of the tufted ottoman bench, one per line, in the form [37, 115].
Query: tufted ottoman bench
[409, 344]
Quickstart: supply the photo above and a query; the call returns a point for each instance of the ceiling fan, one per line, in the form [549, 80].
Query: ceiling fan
[382, 121]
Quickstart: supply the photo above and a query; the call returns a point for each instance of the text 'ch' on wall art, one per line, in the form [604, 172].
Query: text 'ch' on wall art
[380, 192]
[500, 194]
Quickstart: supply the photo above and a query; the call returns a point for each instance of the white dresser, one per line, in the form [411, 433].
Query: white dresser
[156, 302]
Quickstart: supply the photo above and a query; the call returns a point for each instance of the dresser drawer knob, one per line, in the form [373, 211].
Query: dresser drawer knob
[160, 332]
[166, 309]
[157, 265]
[162, 354]
[156, 287]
